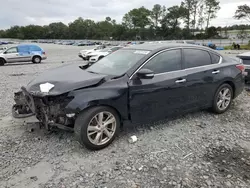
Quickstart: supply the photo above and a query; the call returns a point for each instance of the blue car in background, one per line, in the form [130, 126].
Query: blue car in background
[22, 53]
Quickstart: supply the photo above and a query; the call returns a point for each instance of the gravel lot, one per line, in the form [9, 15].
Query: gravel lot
[196, 150]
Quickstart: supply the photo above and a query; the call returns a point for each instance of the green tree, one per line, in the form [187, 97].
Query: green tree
[212, 32]
[2, 33]
[32, 32]
[171, 21]
[157, 13]
[242, 34]
[200, 16]
[108, 19]
[243, 12]
[211, 8]
[58, 30]
[82, 29]
[127, 21]
[187, 7]
[139, 17]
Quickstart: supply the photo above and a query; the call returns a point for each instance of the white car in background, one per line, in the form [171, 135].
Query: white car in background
[96, 56]
[84, 54]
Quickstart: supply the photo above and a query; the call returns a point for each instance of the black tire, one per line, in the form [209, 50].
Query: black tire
[100, 57]
[36, 59]
[2, 62]
[83, 120]
[215, 107]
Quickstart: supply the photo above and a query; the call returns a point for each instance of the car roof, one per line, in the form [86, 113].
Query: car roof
[160, 46]
[27, 45]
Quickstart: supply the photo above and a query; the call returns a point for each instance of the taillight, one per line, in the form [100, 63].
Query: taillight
[241, 67]
[43, 53]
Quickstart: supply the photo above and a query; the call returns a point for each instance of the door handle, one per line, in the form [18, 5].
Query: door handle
[216, 72]
[180, 81]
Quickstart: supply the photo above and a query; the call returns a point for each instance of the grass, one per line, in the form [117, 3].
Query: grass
[242, 47]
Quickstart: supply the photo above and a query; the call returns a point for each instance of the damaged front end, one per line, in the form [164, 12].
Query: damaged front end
[49, 110]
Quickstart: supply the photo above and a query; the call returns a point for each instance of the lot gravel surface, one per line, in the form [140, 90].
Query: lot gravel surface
[196, 150]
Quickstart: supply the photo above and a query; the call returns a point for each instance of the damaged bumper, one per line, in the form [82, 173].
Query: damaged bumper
[49, 110]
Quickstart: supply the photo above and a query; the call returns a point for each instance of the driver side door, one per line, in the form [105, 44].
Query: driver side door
[11, 55]
[164, 94]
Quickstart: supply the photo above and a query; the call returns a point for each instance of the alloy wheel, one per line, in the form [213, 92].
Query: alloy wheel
[101, 128]
[224, 98]
[37, 59]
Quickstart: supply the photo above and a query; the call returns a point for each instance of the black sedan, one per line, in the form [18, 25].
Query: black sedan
[141, 83]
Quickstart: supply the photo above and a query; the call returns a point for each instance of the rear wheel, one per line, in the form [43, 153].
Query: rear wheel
[97, 127]
[2, 61]
[36, 59]
[223, 99]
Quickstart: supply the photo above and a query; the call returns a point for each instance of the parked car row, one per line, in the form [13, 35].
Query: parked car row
[7, 42]
[85, 42]
[97, 53]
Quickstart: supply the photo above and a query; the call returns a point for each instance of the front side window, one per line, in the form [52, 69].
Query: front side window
[196, 58]
[117, 63]
[11, 50]
[165, 62]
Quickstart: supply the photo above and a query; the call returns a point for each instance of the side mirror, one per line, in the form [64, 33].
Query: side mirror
[145, 74]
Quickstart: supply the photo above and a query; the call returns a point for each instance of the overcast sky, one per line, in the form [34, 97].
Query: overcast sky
[42, 12]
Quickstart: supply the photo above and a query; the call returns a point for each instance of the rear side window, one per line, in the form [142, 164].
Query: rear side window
[165, 62]
[196, 58]
[23, 48]
[215, 58]
[34, 48]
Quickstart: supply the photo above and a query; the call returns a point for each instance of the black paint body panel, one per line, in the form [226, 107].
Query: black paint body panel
[141, 100]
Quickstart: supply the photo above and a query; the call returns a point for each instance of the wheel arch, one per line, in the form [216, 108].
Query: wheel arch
[232, 85]
[104, 105]
[36, 55]
[4, 61]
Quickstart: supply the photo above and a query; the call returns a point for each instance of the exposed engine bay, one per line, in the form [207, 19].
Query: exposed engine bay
[47, 109]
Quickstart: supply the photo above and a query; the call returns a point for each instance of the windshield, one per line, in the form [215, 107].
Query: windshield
[105, 50]
[118, 62]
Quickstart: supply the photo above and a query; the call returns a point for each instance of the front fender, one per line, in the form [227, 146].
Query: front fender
[116, 97]
[2, 57]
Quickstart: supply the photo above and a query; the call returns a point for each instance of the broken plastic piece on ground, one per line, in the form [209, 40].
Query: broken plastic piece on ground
[132, 139]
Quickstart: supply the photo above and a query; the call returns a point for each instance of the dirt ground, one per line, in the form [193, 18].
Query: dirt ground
[195, 150]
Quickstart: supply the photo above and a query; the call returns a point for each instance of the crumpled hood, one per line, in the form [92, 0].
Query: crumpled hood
[65, 79]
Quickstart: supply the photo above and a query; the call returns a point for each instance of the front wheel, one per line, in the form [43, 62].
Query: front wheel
[100, 58]
[223, 99]
[2, 62]
[97, 127]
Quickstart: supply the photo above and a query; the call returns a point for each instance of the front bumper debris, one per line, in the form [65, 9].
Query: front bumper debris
[21, 109]
[48, 110]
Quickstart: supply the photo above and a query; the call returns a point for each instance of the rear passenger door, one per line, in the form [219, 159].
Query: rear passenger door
[24, 53]
[201, 72]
